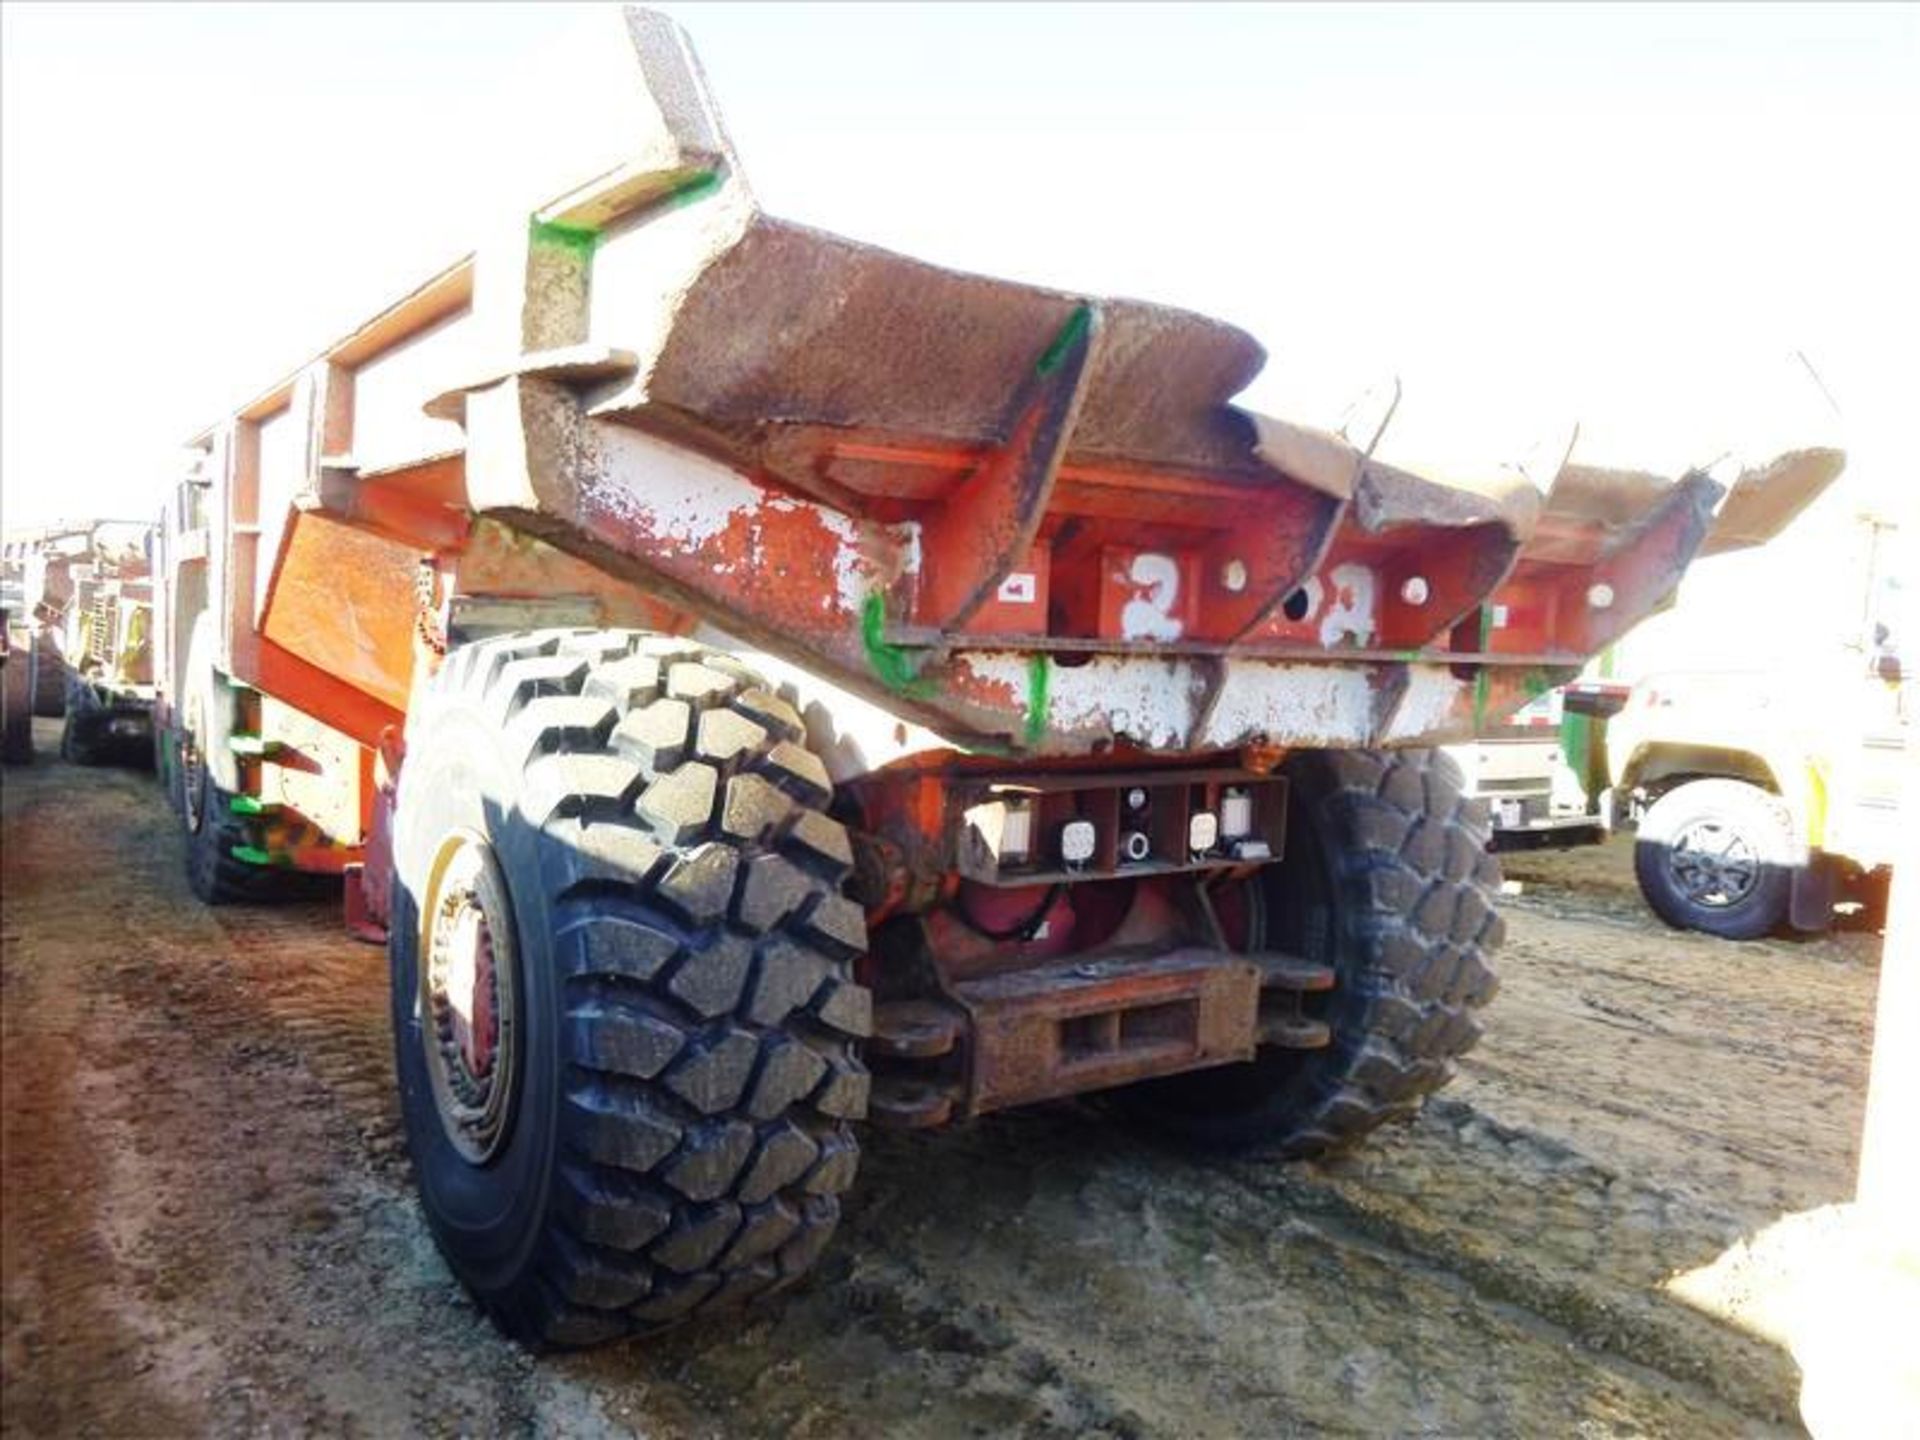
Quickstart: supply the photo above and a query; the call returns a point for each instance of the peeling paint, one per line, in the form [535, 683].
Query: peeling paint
[687, 500]
[1291, 703]
[1432, 697]
[1148, 702]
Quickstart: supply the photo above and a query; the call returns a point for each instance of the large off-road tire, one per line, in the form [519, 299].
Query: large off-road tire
[624, 1011]
[1717, 856]
[81, 741]
[16, 707]
[1387, 880]
[50, 677]
[214, 873]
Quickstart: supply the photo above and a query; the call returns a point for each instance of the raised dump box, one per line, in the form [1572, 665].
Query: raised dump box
[755, 683]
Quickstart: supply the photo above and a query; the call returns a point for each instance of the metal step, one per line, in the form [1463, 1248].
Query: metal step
[1290, 972]
[902, 1102]
[1294, 1032]
[914, 1029]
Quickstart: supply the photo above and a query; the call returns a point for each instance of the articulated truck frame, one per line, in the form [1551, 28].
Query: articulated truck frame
[755, 683]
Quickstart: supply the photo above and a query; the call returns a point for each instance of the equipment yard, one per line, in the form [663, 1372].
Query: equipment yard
[210, 1225]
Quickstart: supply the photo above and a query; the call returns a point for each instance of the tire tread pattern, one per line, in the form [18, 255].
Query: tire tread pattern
[709, 1018]
[1408, 854]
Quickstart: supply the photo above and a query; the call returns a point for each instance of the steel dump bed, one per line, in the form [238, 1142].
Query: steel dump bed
[1015, 517]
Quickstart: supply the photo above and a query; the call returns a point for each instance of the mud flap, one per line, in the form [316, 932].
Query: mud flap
[1815, 888]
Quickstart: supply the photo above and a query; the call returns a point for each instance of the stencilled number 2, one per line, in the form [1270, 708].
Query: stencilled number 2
[1148, 615]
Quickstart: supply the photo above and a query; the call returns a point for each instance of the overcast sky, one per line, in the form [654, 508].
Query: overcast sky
[1635, 217]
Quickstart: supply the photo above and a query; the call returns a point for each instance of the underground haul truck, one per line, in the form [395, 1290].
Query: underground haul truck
[758, 685]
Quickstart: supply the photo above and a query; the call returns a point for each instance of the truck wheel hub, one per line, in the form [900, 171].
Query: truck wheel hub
[468, 996]
[1713, 864]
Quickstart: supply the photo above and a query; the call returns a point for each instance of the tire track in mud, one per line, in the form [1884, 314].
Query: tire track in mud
[257, 1260]
[1586, 1255]
[1742, 1086]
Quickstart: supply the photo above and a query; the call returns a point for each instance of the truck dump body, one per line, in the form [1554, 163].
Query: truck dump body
[1027, 519]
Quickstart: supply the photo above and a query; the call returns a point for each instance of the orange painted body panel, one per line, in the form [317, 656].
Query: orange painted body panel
[342, 600]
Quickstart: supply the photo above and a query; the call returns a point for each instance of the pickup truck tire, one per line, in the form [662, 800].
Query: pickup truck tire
[624, 1012]
[1387, 879]
[1717, 856]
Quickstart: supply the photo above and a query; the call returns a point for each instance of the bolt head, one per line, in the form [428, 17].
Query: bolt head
[1233, 576]
[1415, 590]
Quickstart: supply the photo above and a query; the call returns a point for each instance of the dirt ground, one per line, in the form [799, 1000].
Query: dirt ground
[209, 1225]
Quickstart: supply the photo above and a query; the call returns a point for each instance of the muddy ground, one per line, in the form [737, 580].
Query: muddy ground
[209, 1226]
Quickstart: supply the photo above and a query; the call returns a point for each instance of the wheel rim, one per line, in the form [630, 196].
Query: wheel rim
[469, 997]
[1713, 864]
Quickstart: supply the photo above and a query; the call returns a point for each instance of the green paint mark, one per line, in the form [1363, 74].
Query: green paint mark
[578, 240]
[251, 855]
[1482, 680]
[250, 805]
[253, 746]
[695, 187]
[1576, 744]
[1039, 696]
[1070, 335]
[895, 667]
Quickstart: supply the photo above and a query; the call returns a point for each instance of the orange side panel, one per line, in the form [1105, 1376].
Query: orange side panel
[327, 699]
[344, 603]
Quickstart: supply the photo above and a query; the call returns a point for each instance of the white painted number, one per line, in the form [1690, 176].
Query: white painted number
[1149, 614]
[1349, 618]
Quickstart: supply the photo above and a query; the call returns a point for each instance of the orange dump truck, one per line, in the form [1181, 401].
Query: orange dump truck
[757, 685]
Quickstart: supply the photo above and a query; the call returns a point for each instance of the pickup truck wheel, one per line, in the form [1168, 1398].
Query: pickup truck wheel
[625, 1019]
[1717, 856]
[1387, 880]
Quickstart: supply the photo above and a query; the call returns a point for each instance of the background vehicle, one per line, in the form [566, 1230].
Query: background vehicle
[85, 595]
[1760, 798]
[754, 682]
[1542, 772]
